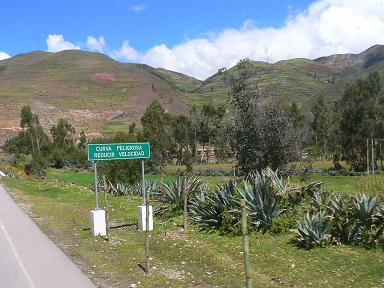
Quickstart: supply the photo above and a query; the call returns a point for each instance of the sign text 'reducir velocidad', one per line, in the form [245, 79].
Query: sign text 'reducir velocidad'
[118, 151]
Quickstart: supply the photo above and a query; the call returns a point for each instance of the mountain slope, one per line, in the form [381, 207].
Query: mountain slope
[183, 82]
[300, 80]
[88, 88]
[101, 95]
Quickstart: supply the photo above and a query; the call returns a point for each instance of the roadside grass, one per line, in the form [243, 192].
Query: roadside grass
[201, 260]
[83, 177]
[63, 210]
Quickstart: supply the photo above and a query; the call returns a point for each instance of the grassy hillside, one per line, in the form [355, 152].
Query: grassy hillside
[183, 82]
[100, 95]
[88, 88]
[300, 80]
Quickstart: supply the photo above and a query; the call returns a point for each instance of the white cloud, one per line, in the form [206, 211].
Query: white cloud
[127, 52]
[96, 44]
[138, 8]
[56, 42]
[4, 55]
[325, 27]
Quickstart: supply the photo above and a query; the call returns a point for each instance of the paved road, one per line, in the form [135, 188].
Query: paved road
[28, 259]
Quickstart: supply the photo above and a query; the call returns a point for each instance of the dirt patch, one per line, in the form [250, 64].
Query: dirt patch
[6, 133]
[174, 234]
[48, 114]
[83, 116]
[94, 135]
[103, 76]
[172, 274]
[86, 115]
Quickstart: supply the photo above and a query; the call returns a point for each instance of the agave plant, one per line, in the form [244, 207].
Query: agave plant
[172, 194]
[314, 230]
[208, 209]
[122, 189]
[311, 188]
[365, 206]
[369, 221]
[151, 187]
[274, 179]
[338, 205]
[136, 190]
[321, 200]
[358, 220]
[259, 194]
[343, 222]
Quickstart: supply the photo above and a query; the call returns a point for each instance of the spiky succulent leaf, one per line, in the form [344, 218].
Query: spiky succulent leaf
[314, 230]
[321, 200]
[207, 209]
[172, 194]
[260, 196]
[365, 206]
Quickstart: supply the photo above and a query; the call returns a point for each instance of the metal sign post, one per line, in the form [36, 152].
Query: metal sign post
[143, 190]
[146, 203]
[95, 184]
[120, 151]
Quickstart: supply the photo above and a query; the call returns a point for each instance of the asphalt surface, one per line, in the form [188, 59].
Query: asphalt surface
[28, 258]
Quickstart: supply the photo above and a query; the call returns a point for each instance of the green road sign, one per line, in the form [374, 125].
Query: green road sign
[118, 151]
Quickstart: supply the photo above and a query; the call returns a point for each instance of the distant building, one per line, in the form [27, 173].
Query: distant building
[206, 155]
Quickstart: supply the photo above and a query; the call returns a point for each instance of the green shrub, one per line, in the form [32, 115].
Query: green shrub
[372, 184]
[11, 159]
[229, 225]
[188, 161]
[321, 200]
[57, 158]
[77, 157]
[36, 166]
[287, 221]
[368, 224]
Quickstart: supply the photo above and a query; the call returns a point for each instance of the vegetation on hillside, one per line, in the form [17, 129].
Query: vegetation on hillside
[93, 91]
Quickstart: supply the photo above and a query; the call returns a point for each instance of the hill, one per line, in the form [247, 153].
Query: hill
[93, 91]
[300, 80]
[101, 95]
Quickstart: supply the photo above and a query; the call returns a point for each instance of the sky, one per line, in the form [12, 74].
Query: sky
[194, 37]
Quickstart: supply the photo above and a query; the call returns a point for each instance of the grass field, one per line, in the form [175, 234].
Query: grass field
[85, 178]
[112, 127]
[345, 184]
[202, 260]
